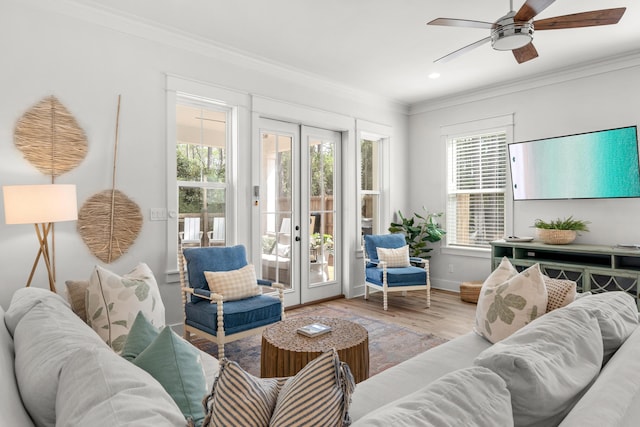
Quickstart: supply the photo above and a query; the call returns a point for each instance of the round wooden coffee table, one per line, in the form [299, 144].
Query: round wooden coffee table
[285, 352]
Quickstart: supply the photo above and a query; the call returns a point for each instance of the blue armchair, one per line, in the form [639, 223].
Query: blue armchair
[380, 277]
[206, 314]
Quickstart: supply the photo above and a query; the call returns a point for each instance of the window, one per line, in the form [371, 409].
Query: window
[370, 183]
[476, 186]
[202, 139]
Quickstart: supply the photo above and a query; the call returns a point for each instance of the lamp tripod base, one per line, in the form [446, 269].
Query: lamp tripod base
[42, 232]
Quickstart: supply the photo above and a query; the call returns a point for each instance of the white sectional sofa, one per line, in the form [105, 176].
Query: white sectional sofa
[56, 371]
[576, 366]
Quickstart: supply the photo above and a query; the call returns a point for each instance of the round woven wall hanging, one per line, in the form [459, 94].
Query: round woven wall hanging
[50, 138]
[109, 222]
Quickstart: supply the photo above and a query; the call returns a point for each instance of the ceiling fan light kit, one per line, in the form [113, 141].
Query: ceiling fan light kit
[514, 31]
[509, 35]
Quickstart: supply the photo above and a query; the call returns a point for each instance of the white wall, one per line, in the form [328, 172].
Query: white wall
[593, 98]
[86, 58]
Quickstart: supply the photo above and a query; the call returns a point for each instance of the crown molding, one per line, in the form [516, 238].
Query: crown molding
[102, 15]
[623, 61]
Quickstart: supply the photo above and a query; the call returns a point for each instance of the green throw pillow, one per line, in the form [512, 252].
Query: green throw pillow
[176, 364]
[141, 335]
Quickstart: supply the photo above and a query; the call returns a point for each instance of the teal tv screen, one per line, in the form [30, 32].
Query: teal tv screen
[601, 164]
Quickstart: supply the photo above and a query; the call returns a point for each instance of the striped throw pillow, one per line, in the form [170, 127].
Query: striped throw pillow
[239, 398]
[318, 395]
[398, 257]
[234, 284]
[560, 292]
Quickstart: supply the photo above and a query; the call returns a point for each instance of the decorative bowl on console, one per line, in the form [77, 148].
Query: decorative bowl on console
[560, 231]
[556, 237]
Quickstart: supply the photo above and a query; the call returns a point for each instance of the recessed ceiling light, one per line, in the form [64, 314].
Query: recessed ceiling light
[434, 75]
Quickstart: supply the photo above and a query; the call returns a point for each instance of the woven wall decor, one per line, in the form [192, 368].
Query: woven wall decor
[109, 222]
[50, 138]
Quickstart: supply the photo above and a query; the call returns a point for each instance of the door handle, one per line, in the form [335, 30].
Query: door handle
[297, 238]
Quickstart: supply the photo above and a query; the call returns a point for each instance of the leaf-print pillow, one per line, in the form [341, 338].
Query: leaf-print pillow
[113, 301]
[509, 300]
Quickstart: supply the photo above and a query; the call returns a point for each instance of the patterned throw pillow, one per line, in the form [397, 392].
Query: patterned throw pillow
[234, 284]
[113, 301]
[560, 292]
[394, 258]
[509, 300]
[317, 395]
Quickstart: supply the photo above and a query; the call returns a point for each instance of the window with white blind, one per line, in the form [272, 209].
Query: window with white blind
[476, 187]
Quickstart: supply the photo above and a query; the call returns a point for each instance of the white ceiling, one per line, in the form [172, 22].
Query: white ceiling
[384, 46]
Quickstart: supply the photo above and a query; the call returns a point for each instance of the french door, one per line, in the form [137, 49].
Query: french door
[299, 200]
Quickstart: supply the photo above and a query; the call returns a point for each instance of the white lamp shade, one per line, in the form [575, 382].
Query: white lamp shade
[37, 204]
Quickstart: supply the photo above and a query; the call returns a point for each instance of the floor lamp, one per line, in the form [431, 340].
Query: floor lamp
[41, 205]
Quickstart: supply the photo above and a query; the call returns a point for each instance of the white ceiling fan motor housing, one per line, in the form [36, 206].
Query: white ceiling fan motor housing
[509, 35]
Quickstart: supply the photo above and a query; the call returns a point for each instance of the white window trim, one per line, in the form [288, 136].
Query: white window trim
[238, 103]
[491, 124]
[374, 131]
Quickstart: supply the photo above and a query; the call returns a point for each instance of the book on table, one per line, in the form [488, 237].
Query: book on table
[314, 329]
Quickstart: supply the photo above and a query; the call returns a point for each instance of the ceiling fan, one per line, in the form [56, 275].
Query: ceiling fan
[514, 31]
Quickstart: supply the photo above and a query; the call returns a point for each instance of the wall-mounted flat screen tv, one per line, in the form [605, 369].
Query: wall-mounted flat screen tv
[601, 164]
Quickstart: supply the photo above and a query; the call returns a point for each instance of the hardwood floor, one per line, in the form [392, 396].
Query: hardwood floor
[448, 317]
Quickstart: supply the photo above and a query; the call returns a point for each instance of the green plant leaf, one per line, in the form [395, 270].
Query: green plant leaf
[97, 314]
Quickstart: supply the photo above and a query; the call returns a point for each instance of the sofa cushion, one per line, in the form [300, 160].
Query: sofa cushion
[467, 397]
[234, 284]
[23, 300]
[46, 336]
[76, 295]
[613, 400]
[176, 365]
[547, 365]
[560, 293]
[509, 300]
[99, 388]
[373, 241]
[11, 407]
[395, 257]
[113, 301]
[141, 335]
[239, 315]
[214, 258]
[617, 314]
[415, 373]
[403, 276]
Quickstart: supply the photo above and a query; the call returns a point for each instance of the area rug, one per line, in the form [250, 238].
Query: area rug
[389, 344]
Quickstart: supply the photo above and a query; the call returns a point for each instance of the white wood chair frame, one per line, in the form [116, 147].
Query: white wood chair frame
[221, 338]
[385, 288]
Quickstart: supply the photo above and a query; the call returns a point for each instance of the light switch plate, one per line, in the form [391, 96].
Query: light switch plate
[158, 214]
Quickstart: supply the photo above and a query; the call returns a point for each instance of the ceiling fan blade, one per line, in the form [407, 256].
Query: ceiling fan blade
[452, 22]
[578, 20]
[530, 9]
[463, 50]
[525, 53]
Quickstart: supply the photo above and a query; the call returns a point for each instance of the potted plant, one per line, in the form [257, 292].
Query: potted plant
[419, 231]
[560, 231]
[320, 241]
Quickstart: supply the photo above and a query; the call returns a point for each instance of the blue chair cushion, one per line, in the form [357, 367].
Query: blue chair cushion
[402, 276]
[240, 315]
[215, 258]
[389, 241]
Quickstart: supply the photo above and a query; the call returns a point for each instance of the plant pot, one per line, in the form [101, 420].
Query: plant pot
[552, 236]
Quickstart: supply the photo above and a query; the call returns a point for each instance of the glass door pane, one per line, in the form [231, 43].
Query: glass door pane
[276, 210]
